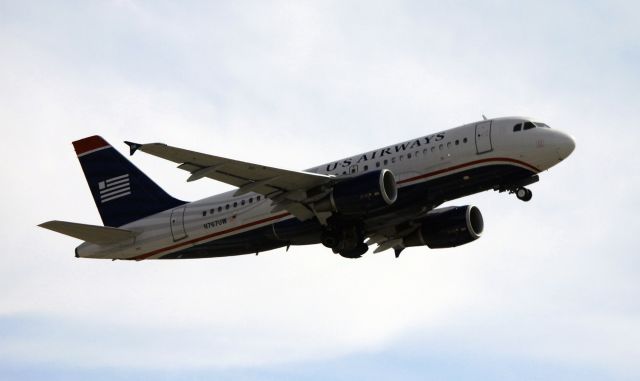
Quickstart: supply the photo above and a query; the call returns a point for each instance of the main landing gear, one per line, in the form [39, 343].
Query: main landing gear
[344, 239]
[523, 194]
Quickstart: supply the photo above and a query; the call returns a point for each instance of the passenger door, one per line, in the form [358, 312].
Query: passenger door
[483, 137]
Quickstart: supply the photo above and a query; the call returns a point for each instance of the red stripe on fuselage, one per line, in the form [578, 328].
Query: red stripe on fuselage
[460, 166]
[254, 223]
[89, 144]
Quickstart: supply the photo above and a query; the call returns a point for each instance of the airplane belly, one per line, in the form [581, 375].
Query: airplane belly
[249, 242]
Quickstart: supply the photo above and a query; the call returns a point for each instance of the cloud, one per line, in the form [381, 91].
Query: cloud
[294, 85]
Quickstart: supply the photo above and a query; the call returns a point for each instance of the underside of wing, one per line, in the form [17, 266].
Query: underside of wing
[393, 238]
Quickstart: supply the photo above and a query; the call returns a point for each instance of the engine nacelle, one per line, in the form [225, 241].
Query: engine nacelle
[361, 194]
[448, 227]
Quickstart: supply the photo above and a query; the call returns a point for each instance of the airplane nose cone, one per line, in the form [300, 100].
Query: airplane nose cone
[565, 145]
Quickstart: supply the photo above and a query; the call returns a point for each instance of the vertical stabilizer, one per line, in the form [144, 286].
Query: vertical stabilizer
[121, 191]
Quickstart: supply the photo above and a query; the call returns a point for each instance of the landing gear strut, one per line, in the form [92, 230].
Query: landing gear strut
[523, 194]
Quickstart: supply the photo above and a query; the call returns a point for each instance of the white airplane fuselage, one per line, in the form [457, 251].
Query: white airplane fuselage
[428, 170]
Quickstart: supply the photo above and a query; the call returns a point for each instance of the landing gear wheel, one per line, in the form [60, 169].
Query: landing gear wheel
[524, 194]
[330, 240]
[356, 252]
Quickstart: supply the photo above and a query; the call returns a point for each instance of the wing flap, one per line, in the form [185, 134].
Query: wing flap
[100, 235]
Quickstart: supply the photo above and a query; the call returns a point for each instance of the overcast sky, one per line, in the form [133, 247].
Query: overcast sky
[551, 291]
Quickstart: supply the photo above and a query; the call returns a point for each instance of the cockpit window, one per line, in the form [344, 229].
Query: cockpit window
[541, 125]
[517, 127]
[528, 126]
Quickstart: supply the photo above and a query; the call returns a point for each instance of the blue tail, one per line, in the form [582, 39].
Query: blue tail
[121, 191]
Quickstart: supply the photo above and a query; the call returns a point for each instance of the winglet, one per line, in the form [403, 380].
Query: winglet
[133, 147]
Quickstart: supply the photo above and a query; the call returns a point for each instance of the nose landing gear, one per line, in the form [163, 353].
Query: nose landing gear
[523, 194]
[518, 187]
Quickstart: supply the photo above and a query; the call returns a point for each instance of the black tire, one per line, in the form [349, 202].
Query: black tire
[524, 194]
[521, 193]
[355, 253]
[330, 240]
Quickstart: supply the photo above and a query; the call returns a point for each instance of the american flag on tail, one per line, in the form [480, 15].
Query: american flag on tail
[114, 188]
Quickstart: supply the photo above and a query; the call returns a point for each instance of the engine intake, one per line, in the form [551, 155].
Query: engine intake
[361, 194]
[448, 227]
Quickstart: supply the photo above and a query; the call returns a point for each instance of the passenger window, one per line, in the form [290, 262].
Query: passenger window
[204, 213]
[250, 200]
[517, 127]
[242, 202]
[219, 209]
[386, 161]
[377, 164]
[258, 198]
[528, 126]
[408, 156]
[433, 148]
[212, 210]
[366, 167]
[401, 157]
[457, 142]
[235, 204]
[393, 160]
[424, 151]
[226, 206]
[449, 145]
[464, 140]
[440, 147]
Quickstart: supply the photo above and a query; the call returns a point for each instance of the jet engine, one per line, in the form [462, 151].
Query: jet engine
[361, 194]
[448, 227]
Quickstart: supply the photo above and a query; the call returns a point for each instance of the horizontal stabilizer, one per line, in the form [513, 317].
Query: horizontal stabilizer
[100, 235]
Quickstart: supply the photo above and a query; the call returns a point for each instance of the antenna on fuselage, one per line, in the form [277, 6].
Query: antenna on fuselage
[484, 117]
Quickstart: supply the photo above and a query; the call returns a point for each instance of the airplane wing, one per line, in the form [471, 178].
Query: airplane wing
[288, 189]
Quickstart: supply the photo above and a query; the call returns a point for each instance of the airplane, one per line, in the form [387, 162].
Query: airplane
[390, 197]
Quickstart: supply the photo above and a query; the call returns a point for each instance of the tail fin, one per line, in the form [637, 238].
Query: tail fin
[121, 191]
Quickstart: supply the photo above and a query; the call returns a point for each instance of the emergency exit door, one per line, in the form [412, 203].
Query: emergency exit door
[177, 224]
